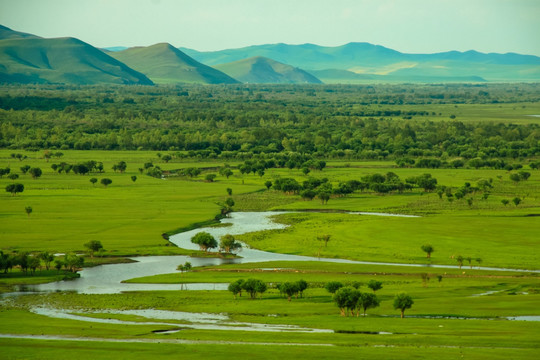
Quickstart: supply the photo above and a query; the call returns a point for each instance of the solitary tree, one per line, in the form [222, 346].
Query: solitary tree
[133, 178]
[35, 172]
[15, 188]
[93, 246]
[505, 201]
[229, 191]
[205, 241]
[28, 210]
[13, 176]
[93, 181]
[428, 249]
[210, 177]
[346, 299]
[105, 182]
[25, 168]
[268, 184]
[229, 244]
[325, 238]
[403, 302]
[516, 201]
[374, 285]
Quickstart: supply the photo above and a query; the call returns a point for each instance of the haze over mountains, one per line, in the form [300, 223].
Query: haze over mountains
[27, 58]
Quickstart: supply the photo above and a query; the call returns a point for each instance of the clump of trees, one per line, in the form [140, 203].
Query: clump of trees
[349, 299]
[290, 289]
[30, 262]
[250, 286]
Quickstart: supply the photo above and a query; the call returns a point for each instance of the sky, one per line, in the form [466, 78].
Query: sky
[411, 26]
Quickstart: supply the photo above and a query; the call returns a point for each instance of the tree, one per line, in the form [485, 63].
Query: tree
[403, 302]
[505, 202]
[459, 260]
[133, 178]
[210, 177]
[35, 172]
[204, 240]
[374, 285]
[333, 286]
[368, 301]
[13, 176]
[28, 210]
[268, 184]
[289, 289]
[325, 238]
[479, 261]
[236, 287]
[25, 168]
[184, 267]
[469, 260]
[47, 258]
[324, 197]
[229, 244]
[166, 158]
[93, 181]
[15, 188]
[254, 286]
[229, 191]
[93, 246]
[516, 201]
[301, 285]
[226, 172]
[428, 249]
[105, 182]
[346, 299]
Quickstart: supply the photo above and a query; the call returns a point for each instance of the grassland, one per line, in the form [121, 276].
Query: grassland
[129, 217]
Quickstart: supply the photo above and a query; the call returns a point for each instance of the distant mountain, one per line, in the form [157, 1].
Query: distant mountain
[164, 63]
[368, 59]
[114, 48]
[26, 58]
[261, 70]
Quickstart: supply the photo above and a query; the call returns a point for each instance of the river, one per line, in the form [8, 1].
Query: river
[107, 279]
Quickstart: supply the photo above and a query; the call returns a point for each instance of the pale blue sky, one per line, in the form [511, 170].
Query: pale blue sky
[415, 26]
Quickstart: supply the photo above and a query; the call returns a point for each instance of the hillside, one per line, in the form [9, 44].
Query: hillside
[368, 59]
[7, 33]
[261, 70]
[164, 63]
[63, 60]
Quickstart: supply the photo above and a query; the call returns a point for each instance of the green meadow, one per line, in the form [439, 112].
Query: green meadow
[464, 315]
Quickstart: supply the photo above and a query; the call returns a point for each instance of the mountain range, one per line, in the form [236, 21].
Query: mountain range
[27, 58]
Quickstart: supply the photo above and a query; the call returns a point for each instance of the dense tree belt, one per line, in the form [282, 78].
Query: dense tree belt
[238, 121]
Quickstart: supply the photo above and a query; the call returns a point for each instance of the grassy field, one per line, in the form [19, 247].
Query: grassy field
[129, 217]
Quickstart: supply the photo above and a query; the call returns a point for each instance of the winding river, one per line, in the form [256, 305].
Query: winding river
[107, 279]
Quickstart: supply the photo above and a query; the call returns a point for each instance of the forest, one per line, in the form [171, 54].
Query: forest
[407, 122]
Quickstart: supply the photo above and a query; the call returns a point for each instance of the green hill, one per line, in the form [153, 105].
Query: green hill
[164, 63]
[64, 60]
[261, 70]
